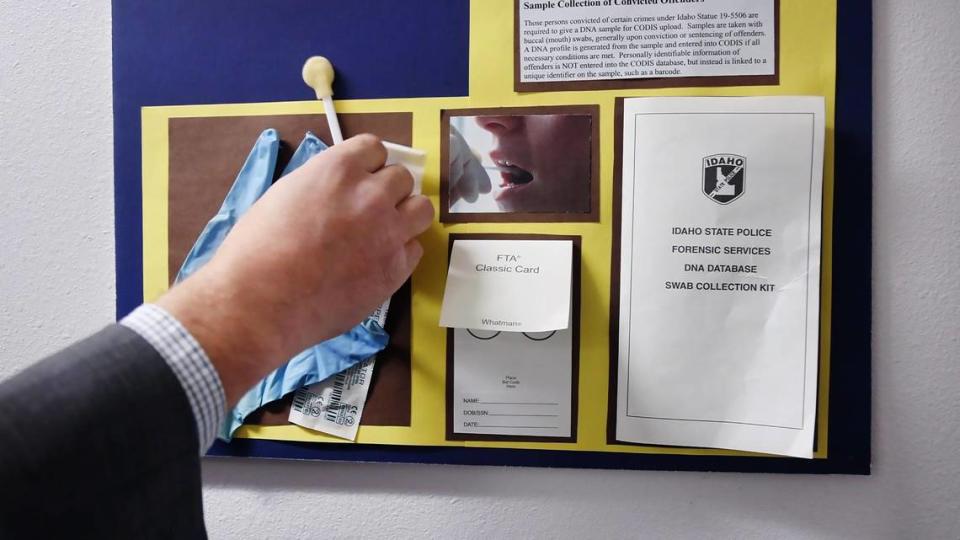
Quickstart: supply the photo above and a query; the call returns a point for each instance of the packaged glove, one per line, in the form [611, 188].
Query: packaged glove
[318, 362]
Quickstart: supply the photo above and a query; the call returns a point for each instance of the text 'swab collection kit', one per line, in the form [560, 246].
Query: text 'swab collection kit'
[650, 216]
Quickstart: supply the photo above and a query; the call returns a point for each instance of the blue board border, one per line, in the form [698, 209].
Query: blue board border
[151, 40]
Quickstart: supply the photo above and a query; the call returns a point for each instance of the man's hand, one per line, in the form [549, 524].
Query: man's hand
[315, 255]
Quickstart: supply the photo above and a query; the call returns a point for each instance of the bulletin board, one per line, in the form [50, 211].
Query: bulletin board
[194, 82]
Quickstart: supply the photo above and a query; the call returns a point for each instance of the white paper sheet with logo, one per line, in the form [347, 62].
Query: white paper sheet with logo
[720, 272]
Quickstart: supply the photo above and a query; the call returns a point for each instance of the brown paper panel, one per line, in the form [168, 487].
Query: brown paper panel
[205, 156]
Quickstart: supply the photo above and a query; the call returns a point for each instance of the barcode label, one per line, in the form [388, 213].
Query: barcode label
[336, 396]
[380, 315]
[335, 405]
[302, 398]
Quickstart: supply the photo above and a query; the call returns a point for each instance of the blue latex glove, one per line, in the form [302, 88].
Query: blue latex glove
[252, 182]
[318, 362]
[311, 366]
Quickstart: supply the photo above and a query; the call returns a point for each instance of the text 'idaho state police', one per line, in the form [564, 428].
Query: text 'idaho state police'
[504, 264]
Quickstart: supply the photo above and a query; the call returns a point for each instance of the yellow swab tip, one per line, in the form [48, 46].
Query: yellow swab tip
[318, 74]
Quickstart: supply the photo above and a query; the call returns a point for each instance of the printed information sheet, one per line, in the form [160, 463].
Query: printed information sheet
[588, 40]
[720, 272]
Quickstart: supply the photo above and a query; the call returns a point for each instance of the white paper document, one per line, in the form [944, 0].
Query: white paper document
[512, 383]
[720, 272]
[508, 285]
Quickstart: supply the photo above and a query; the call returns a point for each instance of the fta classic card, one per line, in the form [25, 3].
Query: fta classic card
[522, 385]
[508, 285]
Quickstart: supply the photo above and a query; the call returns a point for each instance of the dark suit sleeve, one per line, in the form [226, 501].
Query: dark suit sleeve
[99, 440]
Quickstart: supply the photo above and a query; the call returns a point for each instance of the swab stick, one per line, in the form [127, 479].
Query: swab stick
[318, 74]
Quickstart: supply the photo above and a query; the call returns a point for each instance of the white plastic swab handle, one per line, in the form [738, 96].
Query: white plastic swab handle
[332, 121]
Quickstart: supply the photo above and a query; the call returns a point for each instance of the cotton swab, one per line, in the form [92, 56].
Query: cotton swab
[318, 74]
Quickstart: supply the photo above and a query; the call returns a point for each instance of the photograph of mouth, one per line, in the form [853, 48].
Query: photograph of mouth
[530, 164]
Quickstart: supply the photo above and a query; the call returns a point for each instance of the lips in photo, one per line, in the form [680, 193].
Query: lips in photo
[534, 160]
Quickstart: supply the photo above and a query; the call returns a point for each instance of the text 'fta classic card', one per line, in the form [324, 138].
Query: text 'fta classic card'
[508, 285]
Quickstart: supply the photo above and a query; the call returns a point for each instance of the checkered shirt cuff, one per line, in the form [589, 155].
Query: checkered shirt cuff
[189, 363]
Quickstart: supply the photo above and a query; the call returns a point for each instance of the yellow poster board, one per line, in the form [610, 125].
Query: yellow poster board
[807, 45]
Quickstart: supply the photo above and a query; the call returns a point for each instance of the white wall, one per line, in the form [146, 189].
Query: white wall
[56, 284]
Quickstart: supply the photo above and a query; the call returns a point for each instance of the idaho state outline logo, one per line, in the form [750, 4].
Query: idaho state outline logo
[724, 177]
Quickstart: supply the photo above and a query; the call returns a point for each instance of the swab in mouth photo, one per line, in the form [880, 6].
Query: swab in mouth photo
[530, 163]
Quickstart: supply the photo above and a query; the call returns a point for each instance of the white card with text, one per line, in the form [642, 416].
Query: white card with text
[508, 285]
